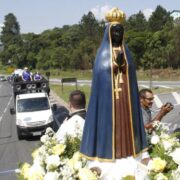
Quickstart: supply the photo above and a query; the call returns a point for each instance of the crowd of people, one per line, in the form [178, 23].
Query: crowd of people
[26, 75]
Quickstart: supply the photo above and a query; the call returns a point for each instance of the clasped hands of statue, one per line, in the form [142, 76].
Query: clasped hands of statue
[119, 62]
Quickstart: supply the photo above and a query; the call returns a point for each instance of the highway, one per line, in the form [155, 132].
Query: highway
[13, 151]
[155, 84]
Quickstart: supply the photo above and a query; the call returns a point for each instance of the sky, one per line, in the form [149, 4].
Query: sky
[39, 15]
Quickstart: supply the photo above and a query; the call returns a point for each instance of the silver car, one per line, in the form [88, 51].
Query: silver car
[2, 78]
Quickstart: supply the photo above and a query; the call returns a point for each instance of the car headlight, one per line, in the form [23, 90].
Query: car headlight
[19, 122]
[50, 119]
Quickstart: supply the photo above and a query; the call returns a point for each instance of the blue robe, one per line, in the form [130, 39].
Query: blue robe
[98, 135]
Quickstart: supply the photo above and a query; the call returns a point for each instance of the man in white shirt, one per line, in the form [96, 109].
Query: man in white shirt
[74, 123]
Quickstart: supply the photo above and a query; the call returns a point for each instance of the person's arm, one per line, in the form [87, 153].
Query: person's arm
[31, 75]
[164, 110]
[23, 77]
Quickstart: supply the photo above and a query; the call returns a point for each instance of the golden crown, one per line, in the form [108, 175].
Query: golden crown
[115, 15]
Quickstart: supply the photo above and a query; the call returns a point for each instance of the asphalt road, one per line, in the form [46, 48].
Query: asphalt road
[12, 151]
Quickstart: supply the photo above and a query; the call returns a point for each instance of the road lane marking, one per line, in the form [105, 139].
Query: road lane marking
[176, 96]
[157, 101]
[5, 109]
[144, 86]
[9, 171]
[166, 87]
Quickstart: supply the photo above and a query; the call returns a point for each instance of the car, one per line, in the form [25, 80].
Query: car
[2, 78]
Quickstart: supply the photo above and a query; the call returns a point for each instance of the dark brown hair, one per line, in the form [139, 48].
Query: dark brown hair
[142, 92]
[77, 99]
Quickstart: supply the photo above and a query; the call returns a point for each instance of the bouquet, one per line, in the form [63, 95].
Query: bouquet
[57, 161]
[164, 152]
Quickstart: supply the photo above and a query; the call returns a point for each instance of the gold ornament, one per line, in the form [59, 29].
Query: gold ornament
[115, 15]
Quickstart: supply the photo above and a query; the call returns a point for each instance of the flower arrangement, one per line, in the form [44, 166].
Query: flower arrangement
[54, 160]
[59, 159]
[164, 152]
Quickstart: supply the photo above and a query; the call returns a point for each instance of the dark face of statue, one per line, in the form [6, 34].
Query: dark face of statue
[117, 32]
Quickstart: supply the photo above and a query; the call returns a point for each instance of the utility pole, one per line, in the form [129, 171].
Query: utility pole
[150, 76]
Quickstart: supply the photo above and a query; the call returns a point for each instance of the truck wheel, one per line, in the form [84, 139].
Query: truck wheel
[20, 136]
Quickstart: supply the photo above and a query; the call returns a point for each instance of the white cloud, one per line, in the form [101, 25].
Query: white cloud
[1, 25]
[147, 13]
[99, 12]
[175, 15]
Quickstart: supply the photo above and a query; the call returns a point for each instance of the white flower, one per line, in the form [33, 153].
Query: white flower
[176, 173]
[38, 160]
[36, 170]
[160, 176]
[156, 164]
[53, 162]
[164, 136]
[51, 176]
[44, 138]
[86, 174]
[175, 155]
[167, 144]
[66, 172]
[155, 124]
[49, 132]
[155, 139]
[78, 165]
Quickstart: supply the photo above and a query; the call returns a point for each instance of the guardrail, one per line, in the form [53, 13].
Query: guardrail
[68, 80]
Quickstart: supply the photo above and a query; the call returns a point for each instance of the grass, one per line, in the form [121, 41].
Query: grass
[86, 89]
[68, 89]
[79, 74]
[168, 74]
[157, 75]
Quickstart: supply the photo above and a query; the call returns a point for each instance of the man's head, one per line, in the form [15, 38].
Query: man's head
[25, 68]
[77, 100]
[146, 98]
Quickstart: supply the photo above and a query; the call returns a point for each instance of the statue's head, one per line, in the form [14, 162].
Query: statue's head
[115, 17]
[116, 32]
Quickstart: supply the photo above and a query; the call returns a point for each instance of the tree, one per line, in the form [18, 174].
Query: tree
[175, 53]
[89, 27]
[136, 22]
[155, 48]
[158, 19]
[137, 44]
[10, 39]
[10, 31]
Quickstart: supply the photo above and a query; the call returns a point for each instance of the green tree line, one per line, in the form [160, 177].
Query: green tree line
[153, 42]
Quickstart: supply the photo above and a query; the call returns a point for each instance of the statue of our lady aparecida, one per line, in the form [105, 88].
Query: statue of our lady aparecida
[114, 134]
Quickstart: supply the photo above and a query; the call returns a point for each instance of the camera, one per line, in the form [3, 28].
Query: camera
[169, 103]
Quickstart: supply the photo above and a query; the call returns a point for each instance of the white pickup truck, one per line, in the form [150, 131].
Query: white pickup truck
[32, 108]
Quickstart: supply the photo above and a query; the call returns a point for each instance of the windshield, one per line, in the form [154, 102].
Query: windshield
[32, 104]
